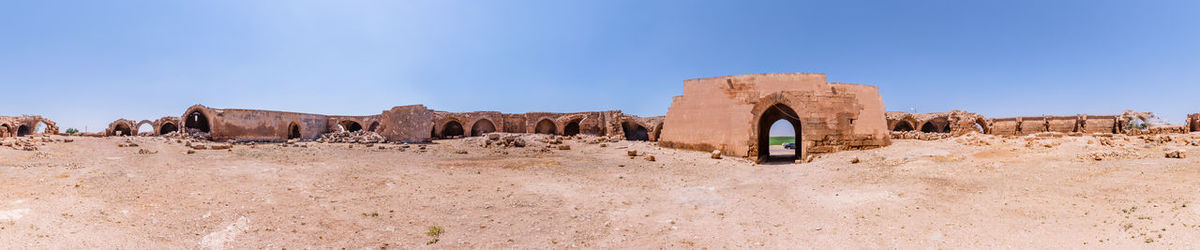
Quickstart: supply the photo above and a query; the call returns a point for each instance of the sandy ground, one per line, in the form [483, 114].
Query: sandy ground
[953, 193]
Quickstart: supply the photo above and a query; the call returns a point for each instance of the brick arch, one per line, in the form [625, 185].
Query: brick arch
[6, 129]
[137, 127]
[350, 125]
[546, 126]
[908, 121]
[440, 127]
[472, 131]
[204, 124]
[563, 122]
[126, 127]
[935, 125]
[657, 132]
[633, 133]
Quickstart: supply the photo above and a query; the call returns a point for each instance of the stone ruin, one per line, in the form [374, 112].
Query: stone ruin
[729, 115]
[17, 126]
[414, 123]
[932, 126]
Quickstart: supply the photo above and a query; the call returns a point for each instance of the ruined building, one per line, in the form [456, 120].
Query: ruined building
[958, 122]
[734, 114]
[414, 123]
[730, 114]
[11, 126]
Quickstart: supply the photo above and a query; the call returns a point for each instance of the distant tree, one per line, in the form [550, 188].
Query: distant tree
[72, 131]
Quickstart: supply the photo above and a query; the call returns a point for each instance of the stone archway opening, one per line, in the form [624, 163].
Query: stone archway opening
[545, 127]
[121, 130]
[167, 128]
[4, 130]
[146, 129]
[634, 131]
[939, 125]
[293, 131]
[373, 127]
[775, 115]
[197, 122]
[24, 130]
[903, 126]
[350, 126]
[452, 129]
[658, 132]
[572, 128]
[481, 127]
[40, 128]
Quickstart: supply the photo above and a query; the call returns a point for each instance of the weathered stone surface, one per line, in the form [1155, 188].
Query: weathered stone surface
[733, 114]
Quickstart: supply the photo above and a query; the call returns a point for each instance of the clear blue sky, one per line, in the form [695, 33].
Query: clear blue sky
[87, 63]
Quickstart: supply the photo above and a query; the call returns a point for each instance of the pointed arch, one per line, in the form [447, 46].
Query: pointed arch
[482, 126]
[774, 113]
[293, 131]
[546, 126]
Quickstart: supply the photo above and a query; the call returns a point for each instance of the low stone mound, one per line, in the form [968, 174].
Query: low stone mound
[361, 136]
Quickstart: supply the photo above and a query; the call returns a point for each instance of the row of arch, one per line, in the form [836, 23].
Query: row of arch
[128, 128]
[8, 129]
[454, 127]
[935, 125]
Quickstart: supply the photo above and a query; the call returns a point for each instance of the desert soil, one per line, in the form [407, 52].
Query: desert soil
[968, 192]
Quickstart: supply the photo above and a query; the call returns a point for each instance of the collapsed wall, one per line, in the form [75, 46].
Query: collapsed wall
[734, 114]
[1128, 122]
[14, 126]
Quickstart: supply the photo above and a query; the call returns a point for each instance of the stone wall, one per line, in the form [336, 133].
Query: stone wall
[411, 123]
[728, 114]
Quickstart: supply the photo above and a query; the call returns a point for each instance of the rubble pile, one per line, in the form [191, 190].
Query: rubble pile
[1159, 130]
[361, 136]
[26, 144]
[918, 135]
[1111, 155]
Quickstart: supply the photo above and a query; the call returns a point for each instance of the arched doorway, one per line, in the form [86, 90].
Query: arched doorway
[121, 129]
[483, 126]
[452, 129]
[770, 117]
[350, 126]
[373, 127]
[167, 128]
[545, 127]
[40, 128]
[634, 131]
[5, 130]
[24, 130]
[572, 128]
[903, 126]
[293, 131]
[939, 125]
[196, 121]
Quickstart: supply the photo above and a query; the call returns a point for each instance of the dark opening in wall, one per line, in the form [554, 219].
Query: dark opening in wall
[197, 121]
[635, 132]
[293, 131]
[167, 128]
[572, 128]
[482, 126]
[452, 129]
